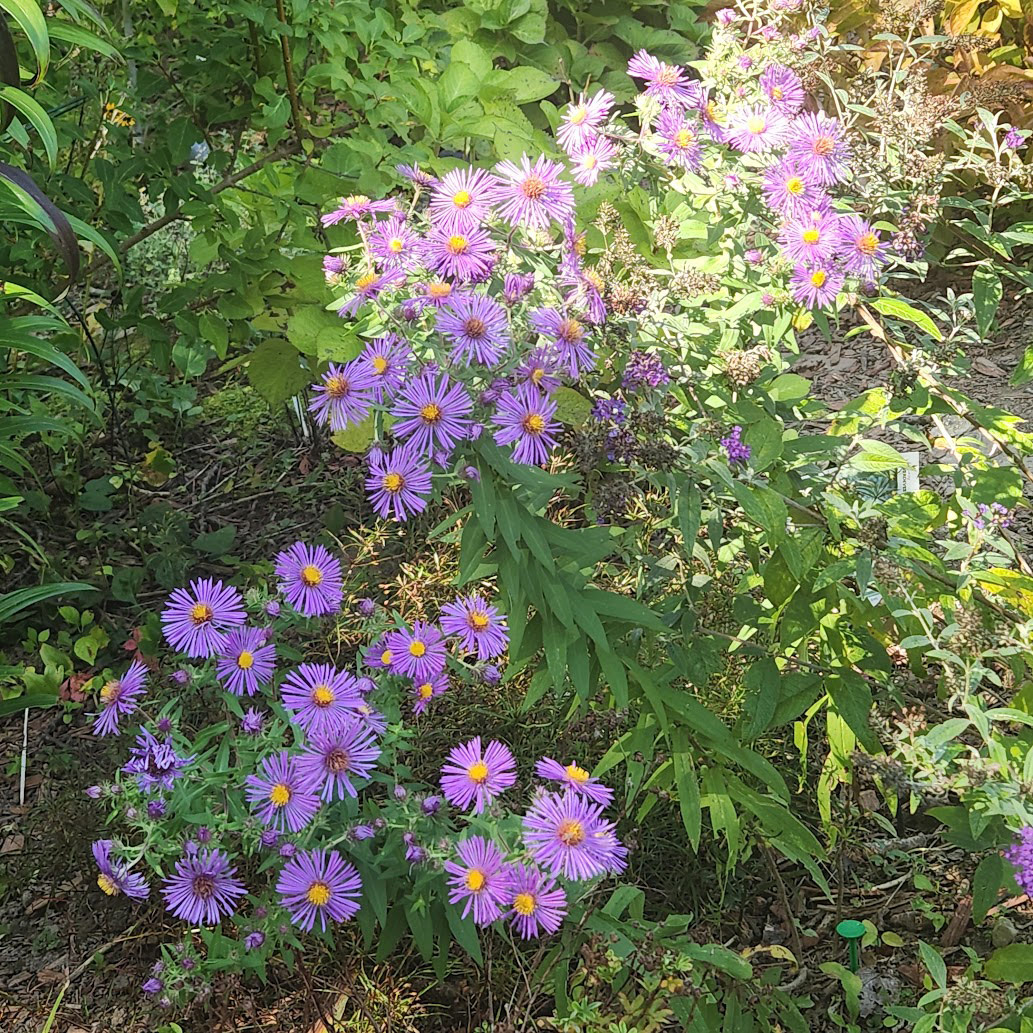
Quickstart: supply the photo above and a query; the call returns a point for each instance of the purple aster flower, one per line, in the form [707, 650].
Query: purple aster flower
[393, 244]
[361, 832]
[334, 758]
[862, 251]
[1020, 856]
[245, 662]
[644, 370]
[734, 448]
[282, 796]
[471, 473]
[424, 690]
[319, 698]
[534, 902]
[490, 674]
[379, 656]
[816, 287]
[789, 190]
[811, 238]
[433, 413]
[757, 128]
[155, 764]
[368, 287]
[712, 116]
[435, 293]
[252, 721]
[400, 792]
[319, 884]
[366, 608]
[479, 879]
[754, 256]
[431, 805]
[195, 622]
[152, 986]
[204, 888]
[415, 854]
[477, 327]
[678, 140]
[783, 88]
[470, 776]
[819, 144]
[254, 940]
[532, 195]
[462, 199]
[310, 578]
[115, 876]
[1014, 138]
[745, 62]
[272, 608]
[479, 626]
[726, 16]
[526, 421]
[575, 778]
[119, 698]
[94, 792]
[568, 836]
[356, 207]
[667, 83]
[386, 359]
[343, 395]
[517, 286]
[398, 484]
[585, 287]
[595, 157]
[269, 838]
[581, 122]
[539, 369]
[465, 256]
[156, 808]
[181, 678]
[416, 175]
[420, 653]
[567, 335]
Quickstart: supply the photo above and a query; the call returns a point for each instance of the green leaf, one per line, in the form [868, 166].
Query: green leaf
[216, 543]
[572, 407]
[897, 309]
[80, 37]
[20, 703]
[877, 456]
[987, 293]
[475, 57]
[688, 786]
[529, 84]
[934, 962]
[13, 603]
[986, 885]
[37, 118]
[1011, 964]
[29, 17]
[275, 371]
[356, 438]
[763, 506]
[789, 387]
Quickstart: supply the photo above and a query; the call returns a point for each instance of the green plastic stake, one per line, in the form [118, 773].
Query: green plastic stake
[852, 931]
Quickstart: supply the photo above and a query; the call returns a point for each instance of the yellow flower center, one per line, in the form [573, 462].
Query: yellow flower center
[111, 691]
[533, 188]
[594, 279]
[311, 575]
[280, 795]
[457, 244]
[439, 289]
[756, 124]
[318, 894]
[577, 774]
[714, 113]
[108, 885]
[589, 161]
[475, 327]
[683, 138]
[533, 423]
[393, 482]
[366, 280]
[386, 657]
[811, 236]
[417, 649]
[323, 695]
[794, 185]
[430, 413]
[246, 660]
[818, 278]
[578, 115]
[477, 772]
[337, 760]
[336, 386]
[668, 75]
[395, 244]
[461, 198]
[475, 879]
[868, 244]
[823, 146]
[777, 93]
[524, 903]
[357, 199]
[570, 330]
[536, 375]
[479, 621]
[426, 690]
[200, 613]
[380, 364]
[571, 832]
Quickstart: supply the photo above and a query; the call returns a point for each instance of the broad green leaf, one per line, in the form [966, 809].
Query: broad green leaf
[986, 885]
[356, 438]
[1011, 964]
[987, 293]
[933, 961]
[572, 407]
[877, 456]
[275, 371]
[897, 309]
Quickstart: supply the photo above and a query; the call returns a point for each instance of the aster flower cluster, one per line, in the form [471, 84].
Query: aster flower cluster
[564, 836]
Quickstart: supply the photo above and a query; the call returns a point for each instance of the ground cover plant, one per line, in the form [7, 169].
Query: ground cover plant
[596, 673]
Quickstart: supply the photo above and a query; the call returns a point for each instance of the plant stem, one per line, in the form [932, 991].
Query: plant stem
[288, 71]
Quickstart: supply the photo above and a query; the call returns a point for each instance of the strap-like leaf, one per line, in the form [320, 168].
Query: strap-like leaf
[51, 217]
[31, 21]
[14, 602]
[9, 74]
[82, 38]
[36, 116]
